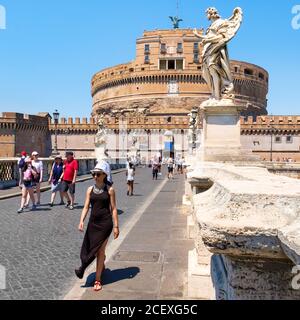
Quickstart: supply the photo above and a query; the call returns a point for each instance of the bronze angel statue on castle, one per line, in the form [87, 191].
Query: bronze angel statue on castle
[216, 63]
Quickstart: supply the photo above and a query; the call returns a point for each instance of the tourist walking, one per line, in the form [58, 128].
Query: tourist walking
[170, 164]
[55, 179]
[21, 165]
[69, 179]
[29, 174]
[155, 169]
[130, 179]
[38, 165]
[103, 220]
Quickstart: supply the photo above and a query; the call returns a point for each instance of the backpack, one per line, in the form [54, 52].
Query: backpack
[22, 163]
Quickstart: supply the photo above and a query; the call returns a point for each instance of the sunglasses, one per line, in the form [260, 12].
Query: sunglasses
[99, 174]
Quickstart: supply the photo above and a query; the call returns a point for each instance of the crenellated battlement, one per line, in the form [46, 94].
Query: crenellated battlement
[266, 124]
[14, 120]
[75, 121]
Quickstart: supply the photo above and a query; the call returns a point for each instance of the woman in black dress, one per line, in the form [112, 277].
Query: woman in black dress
[103, 220]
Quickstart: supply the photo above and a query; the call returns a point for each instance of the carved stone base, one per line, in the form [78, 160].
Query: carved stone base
[100, 152]
[247, 279]
[221, 140]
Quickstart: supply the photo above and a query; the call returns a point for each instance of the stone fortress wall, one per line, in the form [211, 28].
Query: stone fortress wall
[22, 132]
[256, 133]
[166, 78]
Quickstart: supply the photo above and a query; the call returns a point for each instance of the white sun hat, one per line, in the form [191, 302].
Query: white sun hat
[101, 167]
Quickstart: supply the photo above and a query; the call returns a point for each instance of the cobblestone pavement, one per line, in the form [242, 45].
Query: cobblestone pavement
[41, 249]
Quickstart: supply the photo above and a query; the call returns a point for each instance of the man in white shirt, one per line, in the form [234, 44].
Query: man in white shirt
[38, 166]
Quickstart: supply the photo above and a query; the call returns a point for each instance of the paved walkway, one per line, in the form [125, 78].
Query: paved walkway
[41, 249]
[152, 261]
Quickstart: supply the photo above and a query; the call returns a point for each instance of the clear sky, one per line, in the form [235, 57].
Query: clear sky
[51, 49]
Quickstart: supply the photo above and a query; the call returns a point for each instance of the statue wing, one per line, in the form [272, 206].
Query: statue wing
[232, 25]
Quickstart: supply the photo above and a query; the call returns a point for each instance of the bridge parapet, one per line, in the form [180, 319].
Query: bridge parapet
[249, 219]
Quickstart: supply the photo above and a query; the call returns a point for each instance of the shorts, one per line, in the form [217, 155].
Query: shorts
[28, 184]
[170, 169]
[68, 186]
[130, 182]
[56, 187]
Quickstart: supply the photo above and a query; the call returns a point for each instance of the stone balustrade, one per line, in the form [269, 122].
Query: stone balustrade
[9, 172]
[249, 220]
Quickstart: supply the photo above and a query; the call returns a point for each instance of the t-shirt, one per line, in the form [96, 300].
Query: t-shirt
[70, 168]
[57, 172]
[170, 163]
[38, 165]
[130, 175]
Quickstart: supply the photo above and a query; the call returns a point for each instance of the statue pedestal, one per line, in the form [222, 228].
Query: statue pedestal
[100, 152]
[221, 138]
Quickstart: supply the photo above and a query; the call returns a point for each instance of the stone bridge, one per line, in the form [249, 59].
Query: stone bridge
[249, 221]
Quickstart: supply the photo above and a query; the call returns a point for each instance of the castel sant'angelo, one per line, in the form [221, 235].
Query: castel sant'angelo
[145, 101]
[166, 80]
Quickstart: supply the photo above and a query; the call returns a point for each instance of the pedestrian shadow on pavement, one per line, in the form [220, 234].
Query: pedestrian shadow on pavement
[37, 210]
[112, 276]
[78, 207]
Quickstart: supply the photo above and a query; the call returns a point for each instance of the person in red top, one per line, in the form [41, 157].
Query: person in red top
[69, 179]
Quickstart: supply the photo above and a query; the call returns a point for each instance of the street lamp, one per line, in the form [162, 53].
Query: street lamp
[193, 125]
[56, 118]
[272, 135]
[66, 132]
[123, 136]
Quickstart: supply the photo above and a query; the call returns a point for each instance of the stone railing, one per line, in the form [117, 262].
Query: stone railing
[9, 172]
[291, 170]
[249, 220]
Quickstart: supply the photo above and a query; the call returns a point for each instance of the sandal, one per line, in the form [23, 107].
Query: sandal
[97, 286]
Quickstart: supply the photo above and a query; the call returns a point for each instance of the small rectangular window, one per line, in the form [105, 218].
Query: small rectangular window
[147, 59]
[196, 58]
[179, 48]
[163, 48]
[289, 139]
[196, 47]
[147, 48]
[278, 139]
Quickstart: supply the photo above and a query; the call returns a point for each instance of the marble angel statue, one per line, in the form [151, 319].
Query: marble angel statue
[215, 58]
[101, 135]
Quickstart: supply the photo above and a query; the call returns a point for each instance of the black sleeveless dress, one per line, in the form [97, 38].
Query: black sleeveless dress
[99, 228]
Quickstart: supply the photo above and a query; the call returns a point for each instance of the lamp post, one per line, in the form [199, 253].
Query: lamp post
[56, 118]
[272, 135]
[193, 123]
[66, 132]
[123, 137]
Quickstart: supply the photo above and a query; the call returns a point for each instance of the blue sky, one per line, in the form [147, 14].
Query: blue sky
[51, 49]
